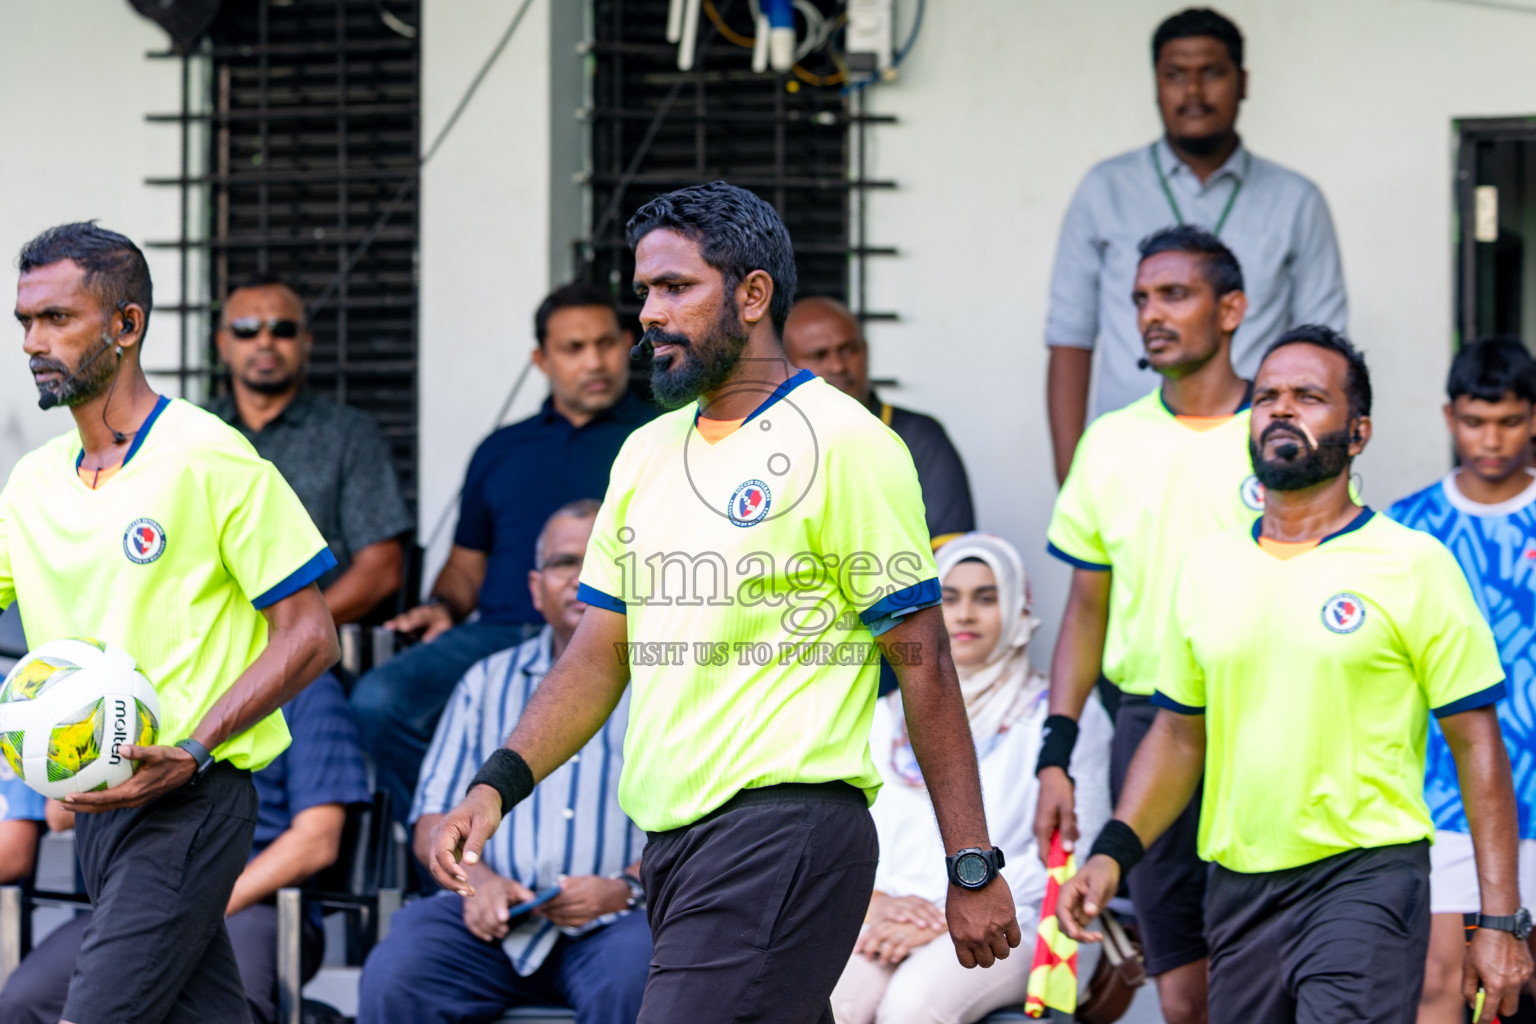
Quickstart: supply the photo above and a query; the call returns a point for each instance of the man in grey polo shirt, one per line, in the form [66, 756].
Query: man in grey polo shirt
[333, 457]
[1274, 220]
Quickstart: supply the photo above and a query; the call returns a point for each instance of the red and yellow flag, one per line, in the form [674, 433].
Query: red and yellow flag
[1053, 974]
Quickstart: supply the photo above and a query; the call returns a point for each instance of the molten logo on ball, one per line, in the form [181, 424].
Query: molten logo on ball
[66, 708]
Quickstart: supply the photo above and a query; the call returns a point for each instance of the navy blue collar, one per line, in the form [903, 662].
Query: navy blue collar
[628, 409]
[138, 438]
[1241, 406]
[1366, 512]
[799, 377]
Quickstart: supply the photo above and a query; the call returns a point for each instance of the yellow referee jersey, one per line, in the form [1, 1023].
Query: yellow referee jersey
[1316, 675]
[754, 573]
[1144, 484]
[170, 559]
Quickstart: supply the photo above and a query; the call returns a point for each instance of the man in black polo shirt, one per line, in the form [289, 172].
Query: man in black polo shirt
[333, 457]
[517, 477]
[822, 336]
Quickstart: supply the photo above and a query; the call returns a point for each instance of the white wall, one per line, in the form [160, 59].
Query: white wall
[484, 234]
[76, 87]
[1005, 103]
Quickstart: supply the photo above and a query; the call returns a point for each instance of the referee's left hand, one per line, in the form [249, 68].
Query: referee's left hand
[160, 770]
[1500, 963]
[982, 923]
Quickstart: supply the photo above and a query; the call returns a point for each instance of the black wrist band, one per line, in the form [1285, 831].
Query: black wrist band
[507, 773]
[1057, 739]
[1120, 842]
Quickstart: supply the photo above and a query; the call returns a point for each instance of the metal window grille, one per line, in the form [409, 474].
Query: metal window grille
[655, 128]
[301, 120]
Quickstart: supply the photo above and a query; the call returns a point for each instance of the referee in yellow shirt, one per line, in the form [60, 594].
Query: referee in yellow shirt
[1147, 481]
[157, 528]
[1301, 663]
[755, 547]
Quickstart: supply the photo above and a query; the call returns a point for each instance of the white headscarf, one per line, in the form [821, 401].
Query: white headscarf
[999, 691]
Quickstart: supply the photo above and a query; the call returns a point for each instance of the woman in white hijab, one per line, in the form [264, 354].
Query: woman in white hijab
[897, 972]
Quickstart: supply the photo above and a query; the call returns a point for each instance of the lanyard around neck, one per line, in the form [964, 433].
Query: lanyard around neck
[1173, 204]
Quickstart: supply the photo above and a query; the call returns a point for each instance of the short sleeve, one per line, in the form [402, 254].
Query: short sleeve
[1073, 535]
[1449, 643]
[873, 525]
[602, 578]
[266, 539]
[325, 760]
[1180, 679]
[451, 763]
[371, 508]
[1073, 317]
[18, 801]
[477, 524]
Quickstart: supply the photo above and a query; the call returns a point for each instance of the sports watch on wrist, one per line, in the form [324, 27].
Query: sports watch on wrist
[636, 890]
[1517, 924]
[973, 867]
[200, 755]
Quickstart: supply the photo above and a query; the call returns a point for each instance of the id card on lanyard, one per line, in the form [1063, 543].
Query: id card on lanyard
[1173, 204]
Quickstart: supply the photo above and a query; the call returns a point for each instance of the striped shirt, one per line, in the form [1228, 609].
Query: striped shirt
[571, 825]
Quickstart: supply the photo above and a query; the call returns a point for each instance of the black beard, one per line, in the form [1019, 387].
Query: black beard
[1328, 460]
[81, 389]
[275, 386]
[1200, 145]
[706, 364]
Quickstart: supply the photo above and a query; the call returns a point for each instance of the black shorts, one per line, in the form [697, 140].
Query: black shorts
[755, 908]
[1343, 939]
[159, 878]
[1168, 886]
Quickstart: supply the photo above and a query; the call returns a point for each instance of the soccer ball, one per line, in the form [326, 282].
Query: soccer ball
[66, 707]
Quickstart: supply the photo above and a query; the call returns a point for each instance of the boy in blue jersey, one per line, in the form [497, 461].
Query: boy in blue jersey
[1485, 512]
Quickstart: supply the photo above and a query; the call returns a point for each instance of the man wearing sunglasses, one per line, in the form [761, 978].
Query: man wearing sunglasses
[333, 457]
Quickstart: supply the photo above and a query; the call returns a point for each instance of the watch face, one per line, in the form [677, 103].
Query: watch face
[1522, 923]
[971, 869]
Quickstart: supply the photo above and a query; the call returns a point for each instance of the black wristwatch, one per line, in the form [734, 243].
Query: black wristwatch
[1517, 924]
[973, 867]
[636, 890]
[200, 755]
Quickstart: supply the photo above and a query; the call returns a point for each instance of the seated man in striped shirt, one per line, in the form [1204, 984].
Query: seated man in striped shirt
[451, 960]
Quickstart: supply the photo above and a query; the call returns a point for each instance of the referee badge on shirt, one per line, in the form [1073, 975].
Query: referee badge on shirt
[1344, 613]
[143, 541]
[1253, 493]
[749, 504]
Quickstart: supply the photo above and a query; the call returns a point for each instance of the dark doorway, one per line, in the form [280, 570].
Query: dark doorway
[1496, 222]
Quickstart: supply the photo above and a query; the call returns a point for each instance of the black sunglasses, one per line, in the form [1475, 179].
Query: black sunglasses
[247, 327]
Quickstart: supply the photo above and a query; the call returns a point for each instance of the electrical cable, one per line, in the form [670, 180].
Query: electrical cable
[727, 33]
[395, 202]
[900, 55]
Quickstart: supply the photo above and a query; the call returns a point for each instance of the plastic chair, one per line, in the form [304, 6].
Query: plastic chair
[363, 883]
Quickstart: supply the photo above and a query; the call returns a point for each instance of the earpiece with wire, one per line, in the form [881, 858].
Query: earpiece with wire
[118, 437]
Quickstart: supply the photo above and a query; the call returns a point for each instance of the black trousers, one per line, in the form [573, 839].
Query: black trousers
[755, 908]
[159, 877]
[1168, 886]
[1343, 939]
[35, 993]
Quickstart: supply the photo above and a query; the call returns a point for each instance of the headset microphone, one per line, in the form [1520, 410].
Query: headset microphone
[639, 349]
[52, 398]
[1143, 363]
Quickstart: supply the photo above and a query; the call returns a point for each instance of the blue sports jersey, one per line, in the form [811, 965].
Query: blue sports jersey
[1496, 546]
